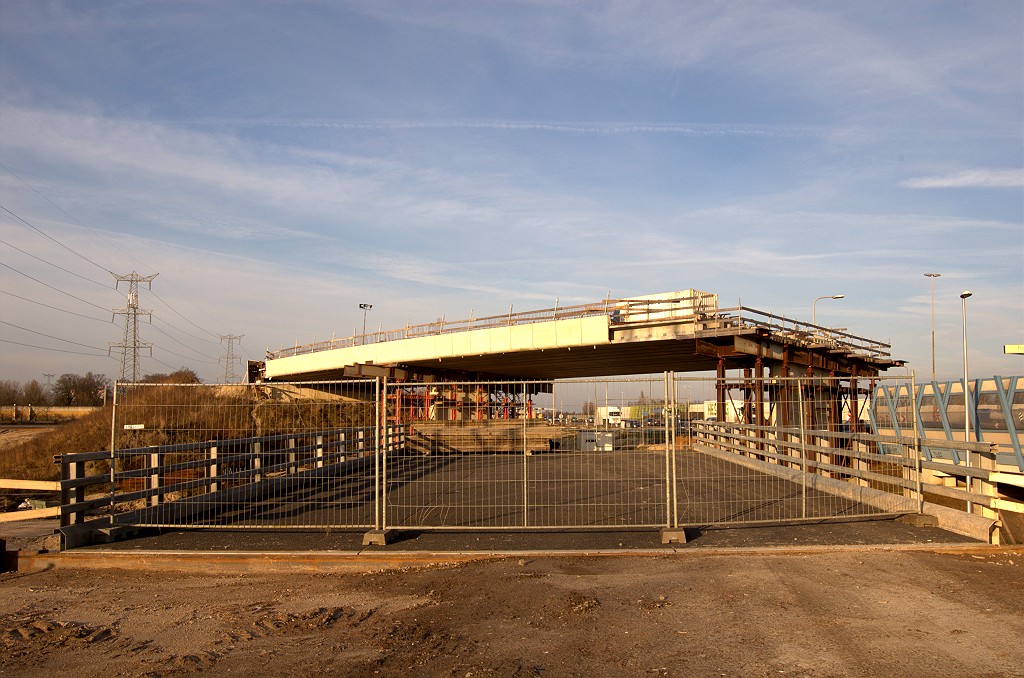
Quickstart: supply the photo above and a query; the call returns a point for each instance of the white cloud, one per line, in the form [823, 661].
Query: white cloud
[981, 178]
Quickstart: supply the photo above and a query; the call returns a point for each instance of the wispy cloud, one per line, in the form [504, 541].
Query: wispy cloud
[981, 178]
[458, 156]
[694, 129]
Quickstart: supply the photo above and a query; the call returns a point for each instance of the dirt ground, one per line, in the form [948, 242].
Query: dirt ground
[11, 436]
[837, 612]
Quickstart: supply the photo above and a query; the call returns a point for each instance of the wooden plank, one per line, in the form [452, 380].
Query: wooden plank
[33, 514]
[1007, 505]
[1007, 478]
[45, 485]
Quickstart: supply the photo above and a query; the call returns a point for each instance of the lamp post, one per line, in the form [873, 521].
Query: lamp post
[967, 397]
[814, 310]
[365, 307]
[933, 276]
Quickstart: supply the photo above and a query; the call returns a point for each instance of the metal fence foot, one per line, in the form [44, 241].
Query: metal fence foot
[673, 535]
[377, 537]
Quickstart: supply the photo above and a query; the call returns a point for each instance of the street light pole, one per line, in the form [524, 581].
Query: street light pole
[814, 309]
[933, 276]
[365, 307]
[967, 397]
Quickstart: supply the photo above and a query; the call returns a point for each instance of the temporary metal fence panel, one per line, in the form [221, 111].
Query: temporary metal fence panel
[252, 456]
[608, 453]
[788, 450]
[526, 455]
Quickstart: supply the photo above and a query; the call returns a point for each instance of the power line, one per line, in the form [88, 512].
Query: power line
[42, 195]
[173, 310]
[157, 360]
[49, 336]
[50, 263]
[55, 308]
[178, 329]
[245, 350]
[95, 233]
[57, 350]
[49, 237]
[204, 362]
[51, 286]
[181, 343]
[211, 360]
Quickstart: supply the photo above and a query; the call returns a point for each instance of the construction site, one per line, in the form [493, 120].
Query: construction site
[480, 498]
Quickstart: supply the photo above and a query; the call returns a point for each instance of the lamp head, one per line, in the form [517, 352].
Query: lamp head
[965, 294]
[838, 296]
[933, 275]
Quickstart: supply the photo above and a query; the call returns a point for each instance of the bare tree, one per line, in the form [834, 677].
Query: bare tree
[75, 389]
[34, 393]
[10, 392]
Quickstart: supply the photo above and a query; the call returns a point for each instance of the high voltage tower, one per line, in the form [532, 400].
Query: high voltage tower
[230, 376]
[131, 344]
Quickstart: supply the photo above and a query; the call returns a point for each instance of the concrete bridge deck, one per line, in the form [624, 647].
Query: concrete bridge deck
[682, 331]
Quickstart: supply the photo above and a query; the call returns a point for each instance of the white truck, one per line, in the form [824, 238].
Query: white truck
[610, 415]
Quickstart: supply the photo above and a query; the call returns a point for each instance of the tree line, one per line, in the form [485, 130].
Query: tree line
[77, 389]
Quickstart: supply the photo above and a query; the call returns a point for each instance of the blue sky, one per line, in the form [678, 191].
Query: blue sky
[279, 163]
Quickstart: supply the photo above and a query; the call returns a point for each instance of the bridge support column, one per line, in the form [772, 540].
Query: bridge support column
[720, 388]
[759, 417]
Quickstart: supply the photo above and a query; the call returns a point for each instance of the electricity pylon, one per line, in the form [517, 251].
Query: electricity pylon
[131, 345]
[230, 376]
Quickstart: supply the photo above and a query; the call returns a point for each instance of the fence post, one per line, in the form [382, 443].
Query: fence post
[257, 461]
[320, 451]
[153, 478]
[65, 491]
[526, 459]
[982, 485]
[71, 470]
[380, 456]
[113, 441]
[918, 467]
[293, 459]
[670, 447]
[803, 451]
[213, 485]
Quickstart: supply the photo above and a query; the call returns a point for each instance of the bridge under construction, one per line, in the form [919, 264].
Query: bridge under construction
[505, 423]
[683, 331]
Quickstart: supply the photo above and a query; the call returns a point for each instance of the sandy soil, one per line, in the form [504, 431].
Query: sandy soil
[9, 437]
[859, 613]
